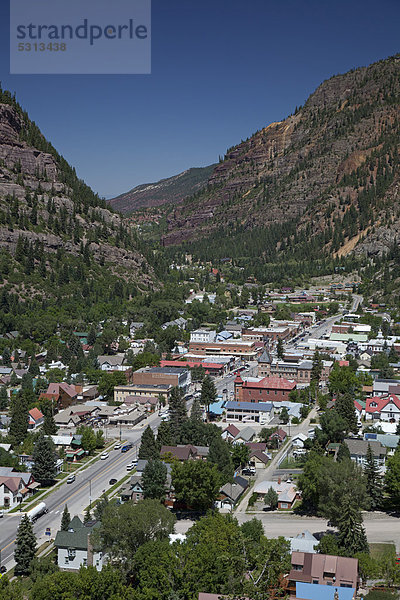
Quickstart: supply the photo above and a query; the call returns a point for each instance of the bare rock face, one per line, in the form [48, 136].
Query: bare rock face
[304, 169]
[31, 176]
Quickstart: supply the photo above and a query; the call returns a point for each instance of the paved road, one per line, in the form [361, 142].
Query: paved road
[380, 527]
[90, 483]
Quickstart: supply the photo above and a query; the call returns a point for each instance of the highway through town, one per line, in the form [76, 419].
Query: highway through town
[90, 483]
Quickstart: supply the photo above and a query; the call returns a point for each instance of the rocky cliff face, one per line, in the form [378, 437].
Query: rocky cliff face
[171, 190]
[42, 200]
[332, 168]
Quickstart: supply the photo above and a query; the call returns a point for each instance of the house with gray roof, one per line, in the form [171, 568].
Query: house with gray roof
[230, 493]
[358, 451]
[75, 547]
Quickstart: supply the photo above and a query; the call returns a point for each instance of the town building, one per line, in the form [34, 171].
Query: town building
[249, 412]
[262, 389]
[237, 348]
[310, 573]
[383, 408]
[15, 487]
[75, 548]
[175, 376]
[203, 335]
[163, 391]
[358, 451]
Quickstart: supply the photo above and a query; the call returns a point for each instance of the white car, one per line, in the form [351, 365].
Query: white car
[130, 467]
[104, 456]
[117, 446]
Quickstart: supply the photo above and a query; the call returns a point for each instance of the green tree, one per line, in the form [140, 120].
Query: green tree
[100, 441]
[19, 419]
[126, 527]
[100, 507]
[25, 547]
[311, 481]
[284, 415]
[148, 445]
[177, 411]
[240, 455]
[392, 478]
[271, 498]
[196, 483]
[65, 519]
[92, 335]
[158, 571]
[329, 545]
[373, 479]
[164, 435]
[316, 369]
[343, 452]
[6, 357]
[280, 349]
[87, 516]
[107, 383]
[219, 455]
[208, 392]
[49, 424]
[351, 537]
[3, 397]
[196, 413]
[88, 441]
[154, 480]
[344, 406]
[44, 461]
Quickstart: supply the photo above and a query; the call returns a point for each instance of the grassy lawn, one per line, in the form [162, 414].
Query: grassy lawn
[290, 463]
[381, 595]
[379, 551]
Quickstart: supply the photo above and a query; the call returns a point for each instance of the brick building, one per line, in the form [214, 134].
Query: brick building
[266, 389]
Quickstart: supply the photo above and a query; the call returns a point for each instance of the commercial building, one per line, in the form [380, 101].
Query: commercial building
[174, 376]
[262, 389]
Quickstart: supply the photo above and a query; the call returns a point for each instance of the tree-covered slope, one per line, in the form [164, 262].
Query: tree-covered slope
[321, 183]
[64, 255]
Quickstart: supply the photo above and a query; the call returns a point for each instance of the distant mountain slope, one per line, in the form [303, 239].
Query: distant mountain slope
[170, 190]
[323, 181]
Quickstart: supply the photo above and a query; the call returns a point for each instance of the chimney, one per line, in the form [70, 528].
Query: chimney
[279, 481]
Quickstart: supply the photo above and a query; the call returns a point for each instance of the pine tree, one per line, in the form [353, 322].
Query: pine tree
[177, 411]
[352, 537]
[44, 461]
[374, 485]
[343, 453]
[316, 369]
[154, 479]
[6, 356]
[279, 349]
[66, 519]
[91, 339]
[25, 547]
[196, 414]
[164, 435]
[344, 406]
[208, 392]
[220, 456]
[3, 397]
[19, 419]
[148, 446]
[100, 507]
[271, 498]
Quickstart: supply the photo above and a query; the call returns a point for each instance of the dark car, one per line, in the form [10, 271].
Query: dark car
[3, 569]
[112, 481]
[126, 447]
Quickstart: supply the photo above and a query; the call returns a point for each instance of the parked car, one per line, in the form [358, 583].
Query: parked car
[71, 478]
[112, 481]
[130, 467]
[1, 513]
[249, 471]
[117, 446]
[104, 456]
[225, 391]
[3, 569]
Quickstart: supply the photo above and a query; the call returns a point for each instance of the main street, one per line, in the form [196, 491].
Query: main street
[90, 483]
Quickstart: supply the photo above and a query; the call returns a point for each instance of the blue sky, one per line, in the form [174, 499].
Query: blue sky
[221, 69]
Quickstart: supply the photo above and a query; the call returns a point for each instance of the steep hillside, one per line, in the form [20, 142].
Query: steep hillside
[63, 253]
[170, 190]
[324, 180]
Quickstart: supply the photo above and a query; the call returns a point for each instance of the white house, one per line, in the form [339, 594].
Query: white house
[75, 548]
[15, 487]
[205, 335]
[383, 408]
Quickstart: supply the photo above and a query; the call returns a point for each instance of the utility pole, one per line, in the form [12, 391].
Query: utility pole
[90, 493]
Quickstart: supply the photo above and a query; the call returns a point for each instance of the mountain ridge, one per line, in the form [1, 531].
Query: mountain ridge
[310, 169]
[165, 191]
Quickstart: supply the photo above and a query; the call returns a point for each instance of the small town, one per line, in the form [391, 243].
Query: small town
[284, 418]
[199, 300]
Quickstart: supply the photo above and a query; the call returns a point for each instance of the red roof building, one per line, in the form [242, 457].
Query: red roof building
[385, 408]
[36, 418]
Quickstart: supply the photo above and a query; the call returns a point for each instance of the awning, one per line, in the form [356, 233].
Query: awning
[24, 491]
[34, 485]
